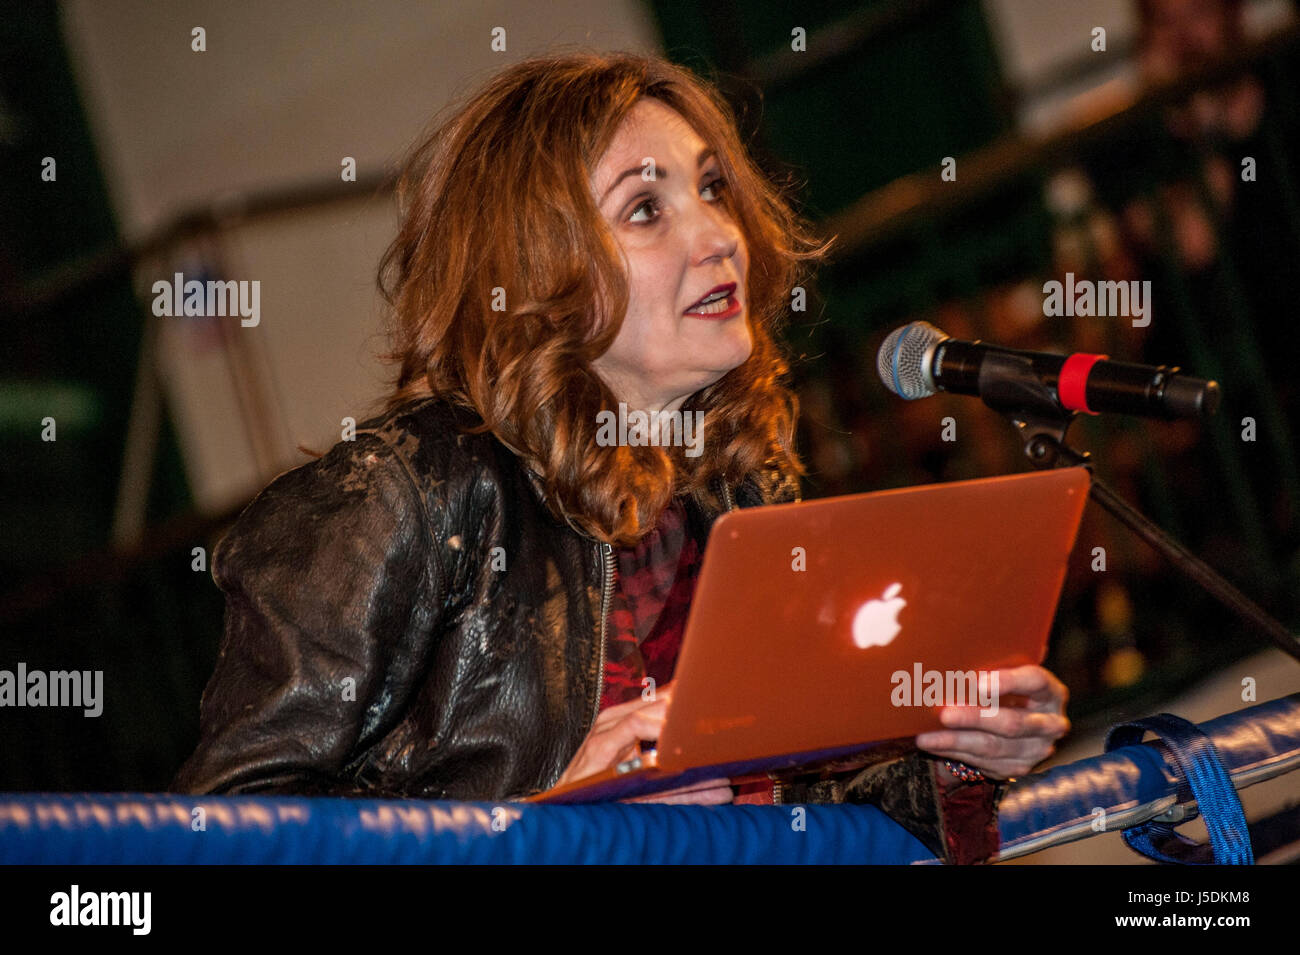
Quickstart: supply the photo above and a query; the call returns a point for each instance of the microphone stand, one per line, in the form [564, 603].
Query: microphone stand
[1044, 443]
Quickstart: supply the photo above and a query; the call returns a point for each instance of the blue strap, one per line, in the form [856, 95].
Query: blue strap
[1201, 770]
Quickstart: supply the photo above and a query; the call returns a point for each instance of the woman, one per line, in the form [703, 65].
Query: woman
[470, 599]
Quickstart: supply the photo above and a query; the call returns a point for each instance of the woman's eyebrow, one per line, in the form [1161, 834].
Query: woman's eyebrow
[660, 171]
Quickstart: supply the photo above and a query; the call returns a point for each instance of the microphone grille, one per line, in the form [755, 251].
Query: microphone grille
[901, 359]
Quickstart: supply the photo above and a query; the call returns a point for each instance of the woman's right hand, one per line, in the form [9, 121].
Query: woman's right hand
[616, 737]
[617, 734]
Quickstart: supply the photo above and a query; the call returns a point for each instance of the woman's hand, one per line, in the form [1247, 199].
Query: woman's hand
[1014, 740]
[616, 737]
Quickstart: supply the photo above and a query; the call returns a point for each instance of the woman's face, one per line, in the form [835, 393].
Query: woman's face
[680, 243]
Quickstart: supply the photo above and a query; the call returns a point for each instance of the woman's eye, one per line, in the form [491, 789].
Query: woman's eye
[717, 185]
[645, 204]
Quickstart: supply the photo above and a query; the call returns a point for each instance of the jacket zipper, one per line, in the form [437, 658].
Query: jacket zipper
[605, 553]
[727, 502]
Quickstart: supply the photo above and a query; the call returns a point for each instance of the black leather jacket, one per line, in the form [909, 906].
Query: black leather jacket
[406, 618]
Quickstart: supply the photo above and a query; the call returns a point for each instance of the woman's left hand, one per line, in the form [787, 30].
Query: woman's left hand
[1016, 738]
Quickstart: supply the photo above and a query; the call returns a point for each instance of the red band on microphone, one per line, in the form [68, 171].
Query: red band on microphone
[1072, 383]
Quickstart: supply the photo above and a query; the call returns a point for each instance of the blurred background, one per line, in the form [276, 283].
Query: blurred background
[1103, 138]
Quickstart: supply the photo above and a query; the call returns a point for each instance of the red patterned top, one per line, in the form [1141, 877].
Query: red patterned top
[647, 613]
[647, 616]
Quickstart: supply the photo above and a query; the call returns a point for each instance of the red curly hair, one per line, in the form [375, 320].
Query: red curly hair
[499, 197]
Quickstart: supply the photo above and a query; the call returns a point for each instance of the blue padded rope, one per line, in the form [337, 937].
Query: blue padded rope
[1198, 763]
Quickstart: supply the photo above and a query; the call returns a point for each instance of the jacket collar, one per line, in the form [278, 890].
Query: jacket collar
[708, 507]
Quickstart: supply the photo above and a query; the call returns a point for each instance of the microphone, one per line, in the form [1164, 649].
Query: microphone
[917, 360]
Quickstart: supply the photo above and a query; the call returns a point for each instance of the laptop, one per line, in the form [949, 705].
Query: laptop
[840, 626]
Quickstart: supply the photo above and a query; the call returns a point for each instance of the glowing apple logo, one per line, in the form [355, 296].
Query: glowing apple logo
[876, 622]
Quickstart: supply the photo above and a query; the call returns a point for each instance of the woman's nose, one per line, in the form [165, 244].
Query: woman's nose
[715, 233]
